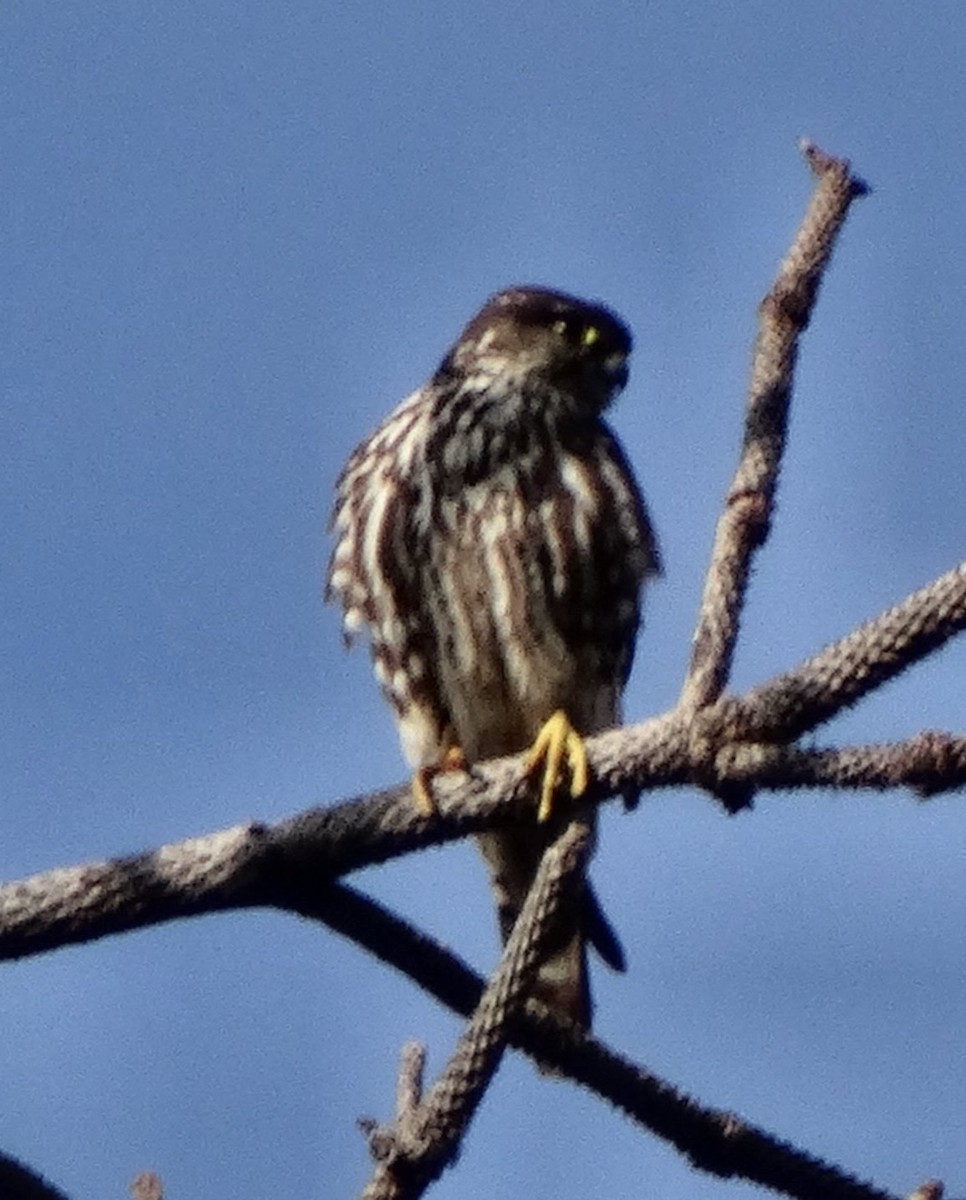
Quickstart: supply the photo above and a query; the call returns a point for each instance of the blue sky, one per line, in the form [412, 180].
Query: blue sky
[234, 236]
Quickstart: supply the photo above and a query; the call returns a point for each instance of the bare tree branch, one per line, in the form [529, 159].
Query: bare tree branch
[241, 867]
[712, 1140]
[849, 669]
[721, 746]
[146, 1186]
[426, 1138]
[409, 1083]
[930, 762]
[746, 520]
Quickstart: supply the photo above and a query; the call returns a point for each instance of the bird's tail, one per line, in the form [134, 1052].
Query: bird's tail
[563, 982]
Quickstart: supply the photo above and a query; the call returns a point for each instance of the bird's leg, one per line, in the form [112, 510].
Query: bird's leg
[452, 759]
[557, 746]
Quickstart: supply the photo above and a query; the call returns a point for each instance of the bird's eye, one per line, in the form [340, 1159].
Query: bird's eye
[579, 335]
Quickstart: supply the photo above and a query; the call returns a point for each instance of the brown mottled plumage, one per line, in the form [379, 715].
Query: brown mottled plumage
[492, 541]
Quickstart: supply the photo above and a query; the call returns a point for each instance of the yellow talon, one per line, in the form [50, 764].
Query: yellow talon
[556, 745]
[422, 796]
[452, 759]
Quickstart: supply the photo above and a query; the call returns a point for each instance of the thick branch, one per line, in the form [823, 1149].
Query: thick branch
[248, 866]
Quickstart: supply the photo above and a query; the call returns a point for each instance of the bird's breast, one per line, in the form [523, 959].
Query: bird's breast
[504, 663]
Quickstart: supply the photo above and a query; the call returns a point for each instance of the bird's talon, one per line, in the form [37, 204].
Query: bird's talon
[577, 761]
[452, 759]
[557, 743]
[422, 795]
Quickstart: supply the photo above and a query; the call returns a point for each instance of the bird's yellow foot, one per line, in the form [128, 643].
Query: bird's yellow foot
[558, 750]
[452, 760]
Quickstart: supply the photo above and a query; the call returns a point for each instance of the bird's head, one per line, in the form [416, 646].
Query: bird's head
[527, 335]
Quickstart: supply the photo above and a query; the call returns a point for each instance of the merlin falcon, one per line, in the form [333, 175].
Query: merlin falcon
[492, 542]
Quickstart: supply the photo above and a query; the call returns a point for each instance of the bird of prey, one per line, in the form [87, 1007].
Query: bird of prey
[492, 542]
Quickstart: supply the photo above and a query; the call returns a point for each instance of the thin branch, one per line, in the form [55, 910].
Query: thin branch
[409, 1082]
[746, 520]
[930, 762]
[713, 1140]
[384, 1140]
[849, 669]
[426, 1139]
[146, 1186]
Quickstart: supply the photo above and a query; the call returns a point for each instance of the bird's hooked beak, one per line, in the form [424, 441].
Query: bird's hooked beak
[615, 367]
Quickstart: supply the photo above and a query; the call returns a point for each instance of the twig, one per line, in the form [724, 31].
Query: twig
[146, 1186]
